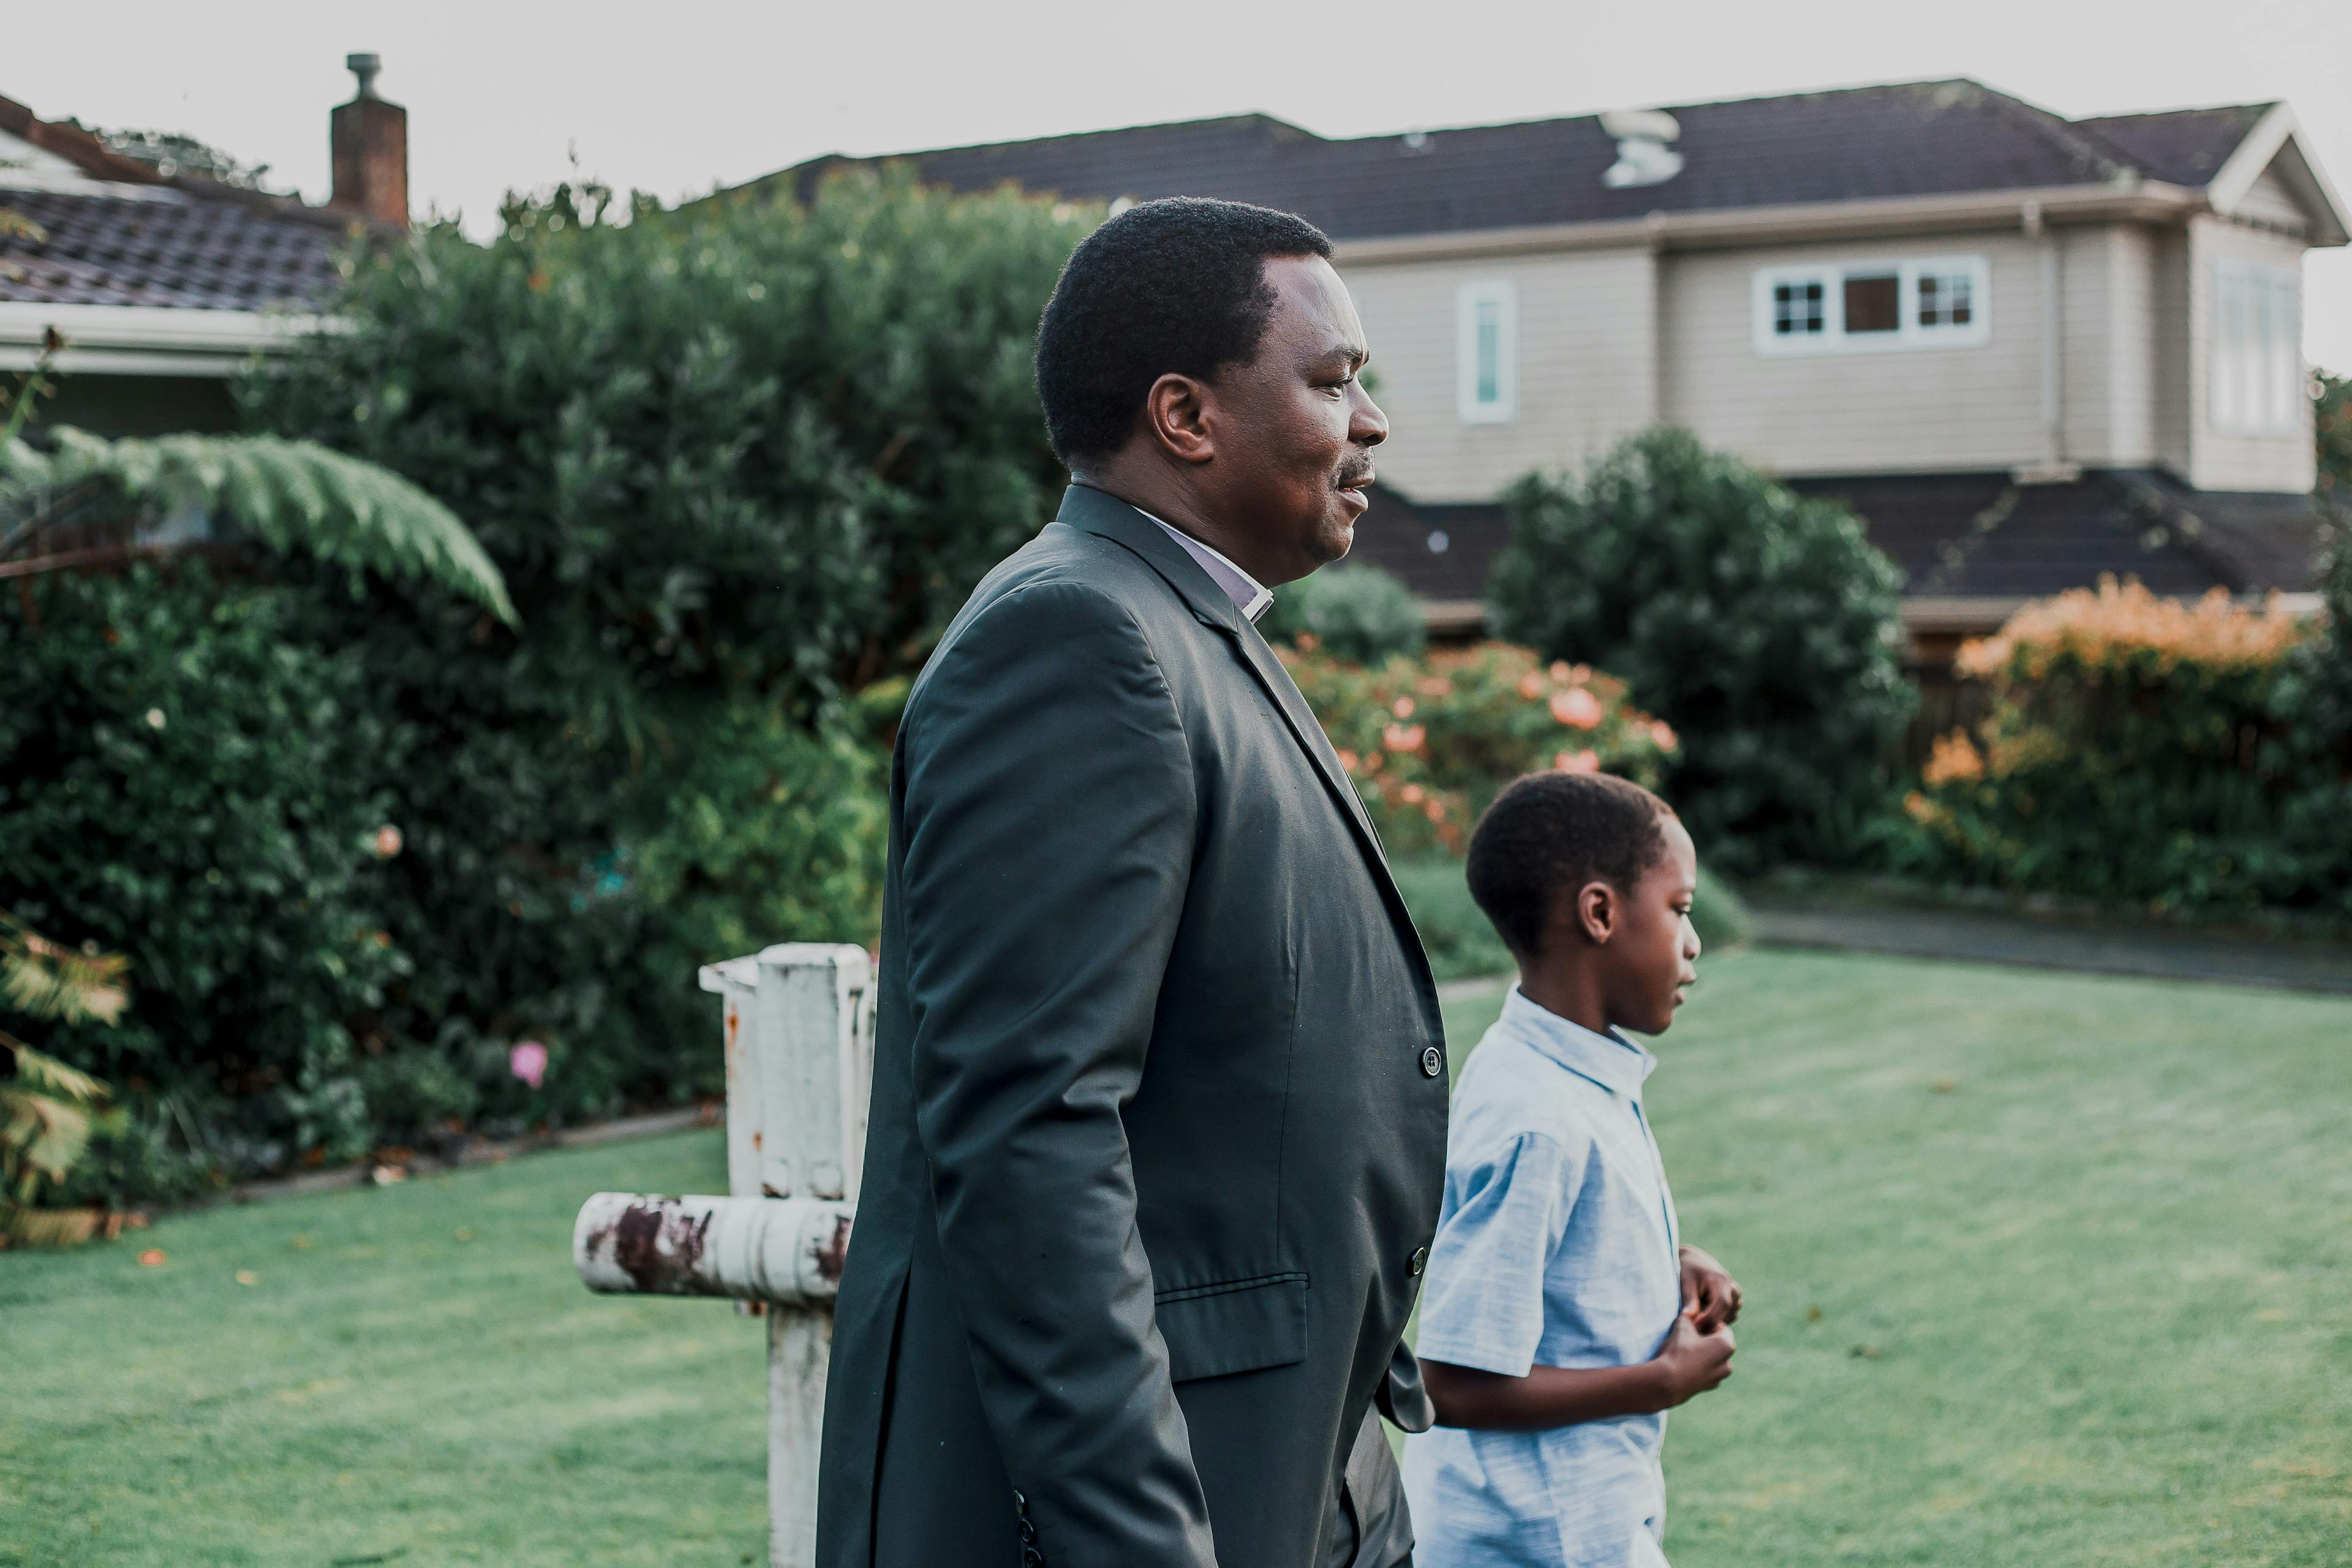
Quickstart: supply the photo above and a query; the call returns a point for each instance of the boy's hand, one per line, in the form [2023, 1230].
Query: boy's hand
[1707, 1288]
[1691, 1361]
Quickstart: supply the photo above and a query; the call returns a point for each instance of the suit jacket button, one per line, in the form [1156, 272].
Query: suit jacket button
[1417, 1262]
[1433, 1061]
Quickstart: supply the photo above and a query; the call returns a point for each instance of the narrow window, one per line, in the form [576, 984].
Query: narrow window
[1873, 304]
[1487, 353]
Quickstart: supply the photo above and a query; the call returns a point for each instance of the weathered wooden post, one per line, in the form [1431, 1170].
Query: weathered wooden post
[799, 1031]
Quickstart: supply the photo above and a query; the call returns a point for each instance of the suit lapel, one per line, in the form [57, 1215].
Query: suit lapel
[1099, 512]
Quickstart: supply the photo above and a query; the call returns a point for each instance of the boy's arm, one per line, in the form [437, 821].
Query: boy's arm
[1691, 1362]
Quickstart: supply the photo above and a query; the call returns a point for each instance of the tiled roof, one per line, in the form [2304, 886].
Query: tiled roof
[1908, 140]
[167, 248]
[1954, 535]
[128, 235]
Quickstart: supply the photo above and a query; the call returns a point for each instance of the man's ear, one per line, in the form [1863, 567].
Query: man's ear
[1596, 910]
[1177, 412]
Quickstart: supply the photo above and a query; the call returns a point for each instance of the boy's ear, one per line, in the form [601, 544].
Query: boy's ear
[1596, 910]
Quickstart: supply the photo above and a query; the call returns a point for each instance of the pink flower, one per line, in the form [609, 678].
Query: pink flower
[1576, 708]
[1402, 737]
[1560, 670]
[1349, 760]
[1663, 734]
[1401, 708]
[1584, 761]
[1532, 686]
[385, 842]
[528, 1061]
[1411, 794]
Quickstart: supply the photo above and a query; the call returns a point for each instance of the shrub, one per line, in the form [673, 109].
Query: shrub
[1359, 612]
[2141, 751]
[1761, 625]
[183, 781]
[1430, 743]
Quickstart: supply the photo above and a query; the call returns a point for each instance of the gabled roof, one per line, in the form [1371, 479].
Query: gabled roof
[1857, 145]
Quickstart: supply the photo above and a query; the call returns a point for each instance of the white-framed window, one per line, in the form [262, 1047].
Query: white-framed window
[1849, 307]
[1487, 353]
[2254, 349]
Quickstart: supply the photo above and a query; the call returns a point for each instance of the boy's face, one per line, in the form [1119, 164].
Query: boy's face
[1650, 955]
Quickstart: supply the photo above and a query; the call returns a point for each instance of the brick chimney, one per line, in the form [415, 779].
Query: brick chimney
[370, 140]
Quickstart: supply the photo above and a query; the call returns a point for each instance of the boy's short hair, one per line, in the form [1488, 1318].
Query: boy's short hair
[1553, 832]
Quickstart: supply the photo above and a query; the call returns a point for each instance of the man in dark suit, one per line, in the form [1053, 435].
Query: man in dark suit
[1159, 1090]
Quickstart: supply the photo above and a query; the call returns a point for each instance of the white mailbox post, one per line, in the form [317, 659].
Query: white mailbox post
[799, 1031]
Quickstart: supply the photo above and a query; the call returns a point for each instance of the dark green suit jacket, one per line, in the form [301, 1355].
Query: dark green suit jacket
[1159, 1119]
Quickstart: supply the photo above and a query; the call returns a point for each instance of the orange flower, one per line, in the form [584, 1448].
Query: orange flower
[1433, 685]
[1411, 794]
[1402, 737]
[1401, 708]
[1576, 708]
[1349, 760]
[1663, 733]
[1953, 758]
[1584, 761]
[1371, 761]
[1560, 670]
[1532, 686]
[1305, 642]
[1434, 809]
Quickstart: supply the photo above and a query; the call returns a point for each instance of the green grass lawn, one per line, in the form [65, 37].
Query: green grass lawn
[2041, 1269]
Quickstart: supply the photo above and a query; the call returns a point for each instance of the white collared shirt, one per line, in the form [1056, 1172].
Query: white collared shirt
[1249, 595]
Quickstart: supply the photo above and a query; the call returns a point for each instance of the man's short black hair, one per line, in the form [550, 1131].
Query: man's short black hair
[1167, 287]
[1550, 833]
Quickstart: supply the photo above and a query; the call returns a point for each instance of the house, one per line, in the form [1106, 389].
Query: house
[163, 283]
[2025, 350]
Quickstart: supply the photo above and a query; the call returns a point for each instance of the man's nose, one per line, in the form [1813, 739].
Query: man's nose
[1367, 426]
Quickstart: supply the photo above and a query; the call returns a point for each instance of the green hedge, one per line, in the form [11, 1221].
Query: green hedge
[738, 465]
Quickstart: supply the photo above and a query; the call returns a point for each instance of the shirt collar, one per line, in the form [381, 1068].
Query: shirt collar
[1250, 596]
[1611, 1060]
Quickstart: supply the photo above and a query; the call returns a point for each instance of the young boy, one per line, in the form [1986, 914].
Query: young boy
[1561, 1318]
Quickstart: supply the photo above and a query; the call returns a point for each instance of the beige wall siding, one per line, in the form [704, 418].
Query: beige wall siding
[2176, 409]
[1587, 366]
[2270, 200]
[2222, 460]
[2108, 286]
[1893, 410]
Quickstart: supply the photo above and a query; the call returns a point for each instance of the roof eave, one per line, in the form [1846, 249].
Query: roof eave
[148, 340]
[2144, 201]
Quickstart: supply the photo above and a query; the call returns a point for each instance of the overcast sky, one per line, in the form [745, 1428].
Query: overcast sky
[677, 96]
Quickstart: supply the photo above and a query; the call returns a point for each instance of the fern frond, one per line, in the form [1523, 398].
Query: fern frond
[47, 981]
[44, 1134]
[47, 1075]
[295, 496]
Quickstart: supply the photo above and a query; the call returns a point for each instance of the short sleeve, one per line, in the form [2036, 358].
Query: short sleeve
[1483, 1302]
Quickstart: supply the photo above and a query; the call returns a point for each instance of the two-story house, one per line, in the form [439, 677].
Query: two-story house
[2026, 349]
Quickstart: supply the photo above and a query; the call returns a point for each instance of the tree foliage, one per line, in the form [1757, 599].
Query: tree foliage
[1760, 625]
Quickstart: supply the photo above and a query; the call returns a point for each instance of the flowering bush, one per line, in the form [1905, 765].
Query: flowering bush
[2144, 751]
[1429, 741]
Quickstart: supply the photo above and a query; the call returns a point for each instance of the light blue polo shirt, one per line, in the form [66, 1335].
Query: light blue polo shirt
[1556, 1244]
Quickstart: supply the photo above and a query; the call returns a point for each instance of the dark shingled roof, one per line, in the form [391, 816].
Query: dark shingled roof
[1853, 145]
[2186, 146]
[1979, 535]
[178, 242]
